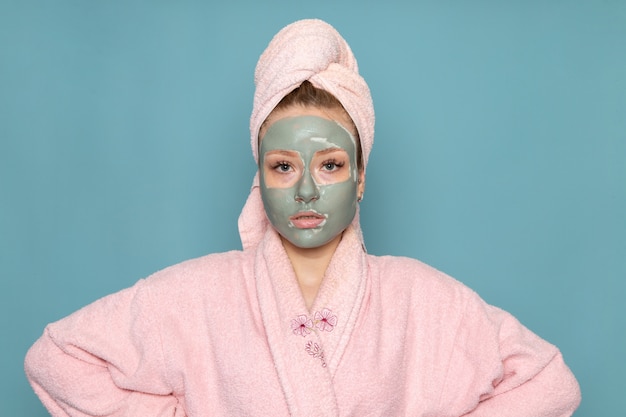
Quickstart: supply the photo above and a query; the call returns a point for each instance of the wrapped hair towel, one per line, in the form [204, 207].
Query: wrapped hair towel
[310, 50]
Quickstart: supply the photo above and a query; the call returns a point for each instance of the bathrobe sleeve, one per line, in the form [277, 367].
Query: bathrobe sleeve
[104, 360]
[511, 371]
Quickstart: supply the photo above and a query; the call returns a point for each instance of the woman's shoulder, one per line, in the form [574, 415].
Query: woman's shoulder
[201, 263]
[214, 270]
[414, 276]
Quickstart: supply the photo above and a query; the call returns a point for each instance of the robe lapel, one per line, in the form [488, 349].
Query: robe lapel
[307, 345]
[340, 296]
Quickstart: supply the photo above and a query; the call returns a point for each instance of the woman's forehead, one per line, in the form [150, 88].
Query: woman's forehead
[336, 114]
[298, 153]
[307, 132]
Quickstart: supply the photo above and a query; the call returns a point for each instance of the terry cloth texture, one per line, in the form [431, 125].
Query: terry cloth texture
[230, 335]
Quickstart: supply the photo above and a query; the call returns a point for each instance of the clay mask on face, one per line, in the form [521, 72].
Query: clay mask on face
[309, 179]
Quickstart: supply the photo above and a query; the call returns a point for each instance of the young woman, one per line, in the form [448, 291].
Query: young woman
[302, 322]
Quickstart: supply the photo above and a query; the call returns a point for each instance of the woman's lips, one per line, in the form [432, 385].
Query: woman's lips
[307, 220]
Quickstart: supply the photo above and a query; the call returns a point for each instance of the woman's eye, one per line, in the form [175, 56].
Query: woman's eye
[332, 165]
[282, 167]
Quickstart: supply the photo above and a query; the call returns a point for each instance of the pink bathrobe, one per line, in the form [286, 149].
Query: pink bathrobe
[229, 335]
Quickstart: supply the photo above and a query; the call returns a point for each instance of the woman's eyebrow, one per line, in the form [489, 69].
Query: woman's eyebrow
[281, 152]
[330, 150]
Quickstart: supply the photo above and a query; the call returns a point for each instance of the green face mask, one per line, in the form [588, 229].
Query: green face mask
[309, 179]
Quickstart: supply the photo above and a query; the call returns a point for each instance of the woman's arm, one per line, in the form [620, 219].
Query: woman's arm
[105, 359]
[552, 392]
[511, 371]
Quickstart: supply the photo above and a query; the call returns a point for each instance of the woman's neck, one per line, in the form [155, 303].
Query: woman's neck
[309, 265]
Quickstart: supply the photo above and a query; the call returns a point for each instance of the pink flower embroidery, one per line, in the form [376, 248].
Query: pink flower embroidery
[302, 325]
[326, 320]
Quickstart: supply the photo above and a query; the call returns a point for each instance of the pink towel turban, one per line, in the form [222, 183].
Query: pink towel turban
[304, 50]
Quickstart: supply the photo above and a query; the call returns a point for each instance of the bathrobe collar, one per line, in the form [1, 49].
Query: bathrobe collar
[307, 346]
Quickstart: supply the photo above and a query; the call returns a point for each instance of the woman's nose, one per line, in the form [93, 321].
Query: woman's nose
[306, 189]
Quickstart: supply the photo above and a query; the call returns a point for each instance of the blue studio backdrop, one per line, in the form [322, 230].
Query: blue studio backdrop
[500, 155]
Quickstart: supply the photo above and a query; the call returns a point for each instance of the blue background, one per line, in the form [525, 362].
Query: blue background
[500, 155]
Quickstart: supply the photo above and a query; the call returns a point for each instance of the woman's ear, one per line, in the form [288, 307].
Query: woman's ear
[361, 185]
